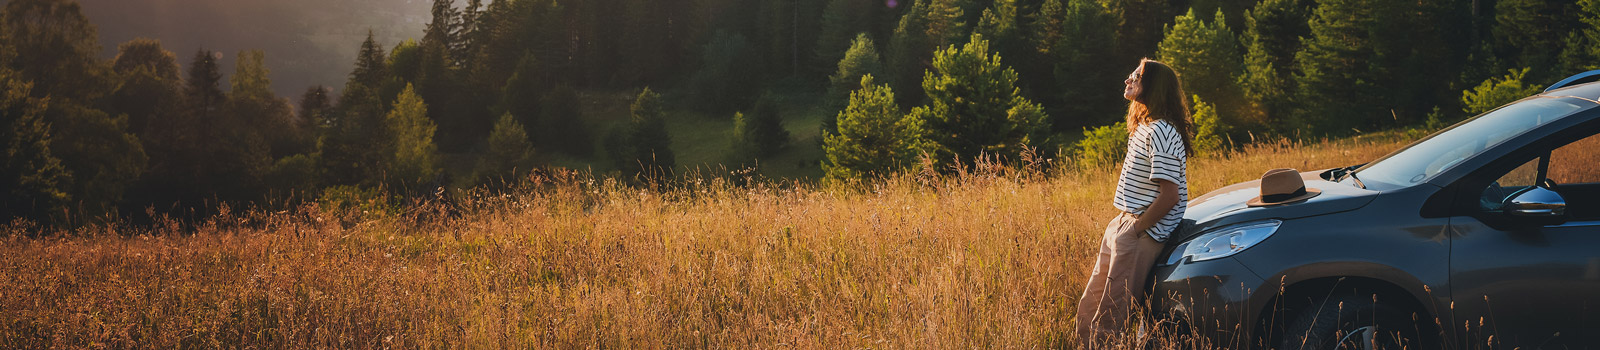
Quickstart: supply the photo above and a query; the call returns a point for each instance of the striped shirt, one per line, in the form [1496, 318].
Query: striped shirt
[1155, 151]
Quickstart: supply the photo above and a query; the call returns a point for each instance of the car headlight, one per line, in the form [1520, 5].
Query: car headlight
[1224, 242]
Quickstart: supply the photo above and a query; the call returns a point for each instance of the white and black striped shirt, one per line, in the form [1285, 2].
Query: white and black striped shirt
[1155, 151]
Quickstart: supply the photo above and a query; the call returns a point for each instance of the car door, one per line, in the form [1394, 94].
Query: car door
[1524, 283]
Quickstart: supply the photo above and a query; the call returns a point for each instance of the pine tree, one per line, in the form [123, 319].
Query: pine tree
[945, 24]
[357, 141]
[1138, 25]
[1582, 52]
[445, 30]
[1272, 36]
[564, 127]
[509, 152]
[1335, 83]
[874, 138]
[315, 107]
[1211, 132]
[372, 69]
[646, 146]
[842, 20]
[759, 134]
[1206, 55]
[1525, 31]
[1087, 40]
[910, 51]
[975, 107]
[862, 59]
[32, 180]
[415, 158]
[522, 93]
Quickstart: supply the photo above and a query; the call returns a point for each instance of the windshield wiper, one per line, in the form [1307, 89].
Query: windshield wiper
[1352, 176]
[1340, 174]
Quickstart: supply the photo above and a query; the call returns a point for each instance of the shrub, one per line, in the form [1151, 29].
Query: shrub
[1496, 92]
[1103, 145]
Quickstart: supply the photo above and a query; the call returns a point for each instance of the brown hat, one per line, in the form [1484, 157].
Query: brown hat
[1280, 186]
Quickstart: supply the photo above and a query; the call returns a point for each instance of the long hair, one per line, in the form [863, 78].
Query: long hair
[1161, 97]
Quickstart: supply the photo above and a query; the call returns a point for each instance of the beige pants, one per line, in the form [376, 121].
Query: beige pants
[1116, 286]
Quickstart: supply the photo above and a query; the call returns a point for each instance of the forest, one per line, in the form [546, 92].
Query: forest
[492, 94]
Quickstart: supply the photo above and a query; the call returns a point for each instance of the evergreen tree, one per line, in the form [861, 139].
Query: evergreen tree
[315, 107]
[1207, 57]
[1138, 25]
[1582, 52]
[32, 180]
[1046, 25]
[1087, 41]
[910, 51]
[232, 155]
[509, 152]
[53, 46]
[1211, 132]
[759, 134]
[975, 107]
[1272, 36]
[1526, 32]
[1335, 84]
[415, 158]
[372, 69]
[445, 30]
[564, 128]
[357, 141]
[645, 146]
[861, 59]
[945, 26]
[1001, 24]
[874, 138]
[522, 95]
[842, 20]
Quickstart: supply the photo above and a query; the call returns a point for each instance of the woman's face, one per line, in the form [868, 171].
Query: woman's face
[1132, 88]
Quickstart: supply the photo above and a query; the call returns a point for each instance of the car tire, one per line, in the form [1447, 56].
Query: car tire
[1351, 322]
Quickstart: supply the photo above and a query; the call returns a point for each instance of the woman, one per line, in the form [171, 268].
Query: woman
[1151, 195]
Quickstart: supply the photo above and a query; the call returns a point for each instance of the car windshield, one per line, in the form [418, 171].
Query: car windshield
[1422, 160]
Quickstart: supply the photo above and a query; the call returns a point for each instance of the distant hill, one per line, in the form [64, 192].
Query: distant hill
[307, 42]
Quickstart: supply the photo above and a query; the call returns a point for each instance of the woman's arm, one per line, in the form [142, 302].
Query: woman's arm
[1166, 198]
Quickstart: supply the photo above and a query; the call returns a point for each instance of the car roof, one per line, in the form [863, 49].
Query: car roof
[1587, 91]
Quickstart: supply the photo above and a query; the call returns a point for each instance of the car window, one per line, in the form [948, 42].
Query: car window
[1577, 162]
[1574, 168]
[1438, 153]
[1494, 196]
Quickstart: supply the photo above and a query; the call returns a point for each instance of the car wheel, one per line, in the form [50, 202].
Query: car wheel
[1351, 322]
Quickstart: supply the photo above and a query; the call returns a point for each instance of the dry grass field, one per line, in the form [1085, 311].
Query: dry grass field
[986, 258]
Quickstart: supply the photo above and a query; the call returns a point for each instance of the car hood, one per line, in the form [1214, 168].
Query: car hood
[1226, 206]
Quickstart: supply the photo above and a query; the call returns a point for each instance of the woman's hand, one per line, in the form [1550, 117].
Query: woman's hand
[1166, 198]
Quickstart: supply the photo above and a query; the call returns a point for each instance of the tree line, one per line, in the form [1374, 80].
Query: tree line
[494, 85]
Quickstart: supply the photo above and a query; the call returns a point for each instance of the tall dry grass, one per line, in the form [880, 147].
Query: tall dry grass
[988, 258]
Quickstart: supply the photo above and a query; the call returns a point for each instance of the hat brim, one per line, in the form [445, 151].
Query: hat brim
[1257, 202]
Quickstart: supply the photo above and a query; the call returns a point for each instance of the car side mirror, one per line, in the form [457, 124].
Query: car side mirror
[1539, 205]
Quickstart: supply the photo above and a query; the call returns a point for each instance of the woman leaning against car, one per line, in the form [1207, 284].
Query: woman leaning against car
[1151, 195]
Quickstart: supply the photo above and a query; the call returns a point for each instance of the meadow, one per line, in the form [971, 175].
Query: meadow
[985, 257]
